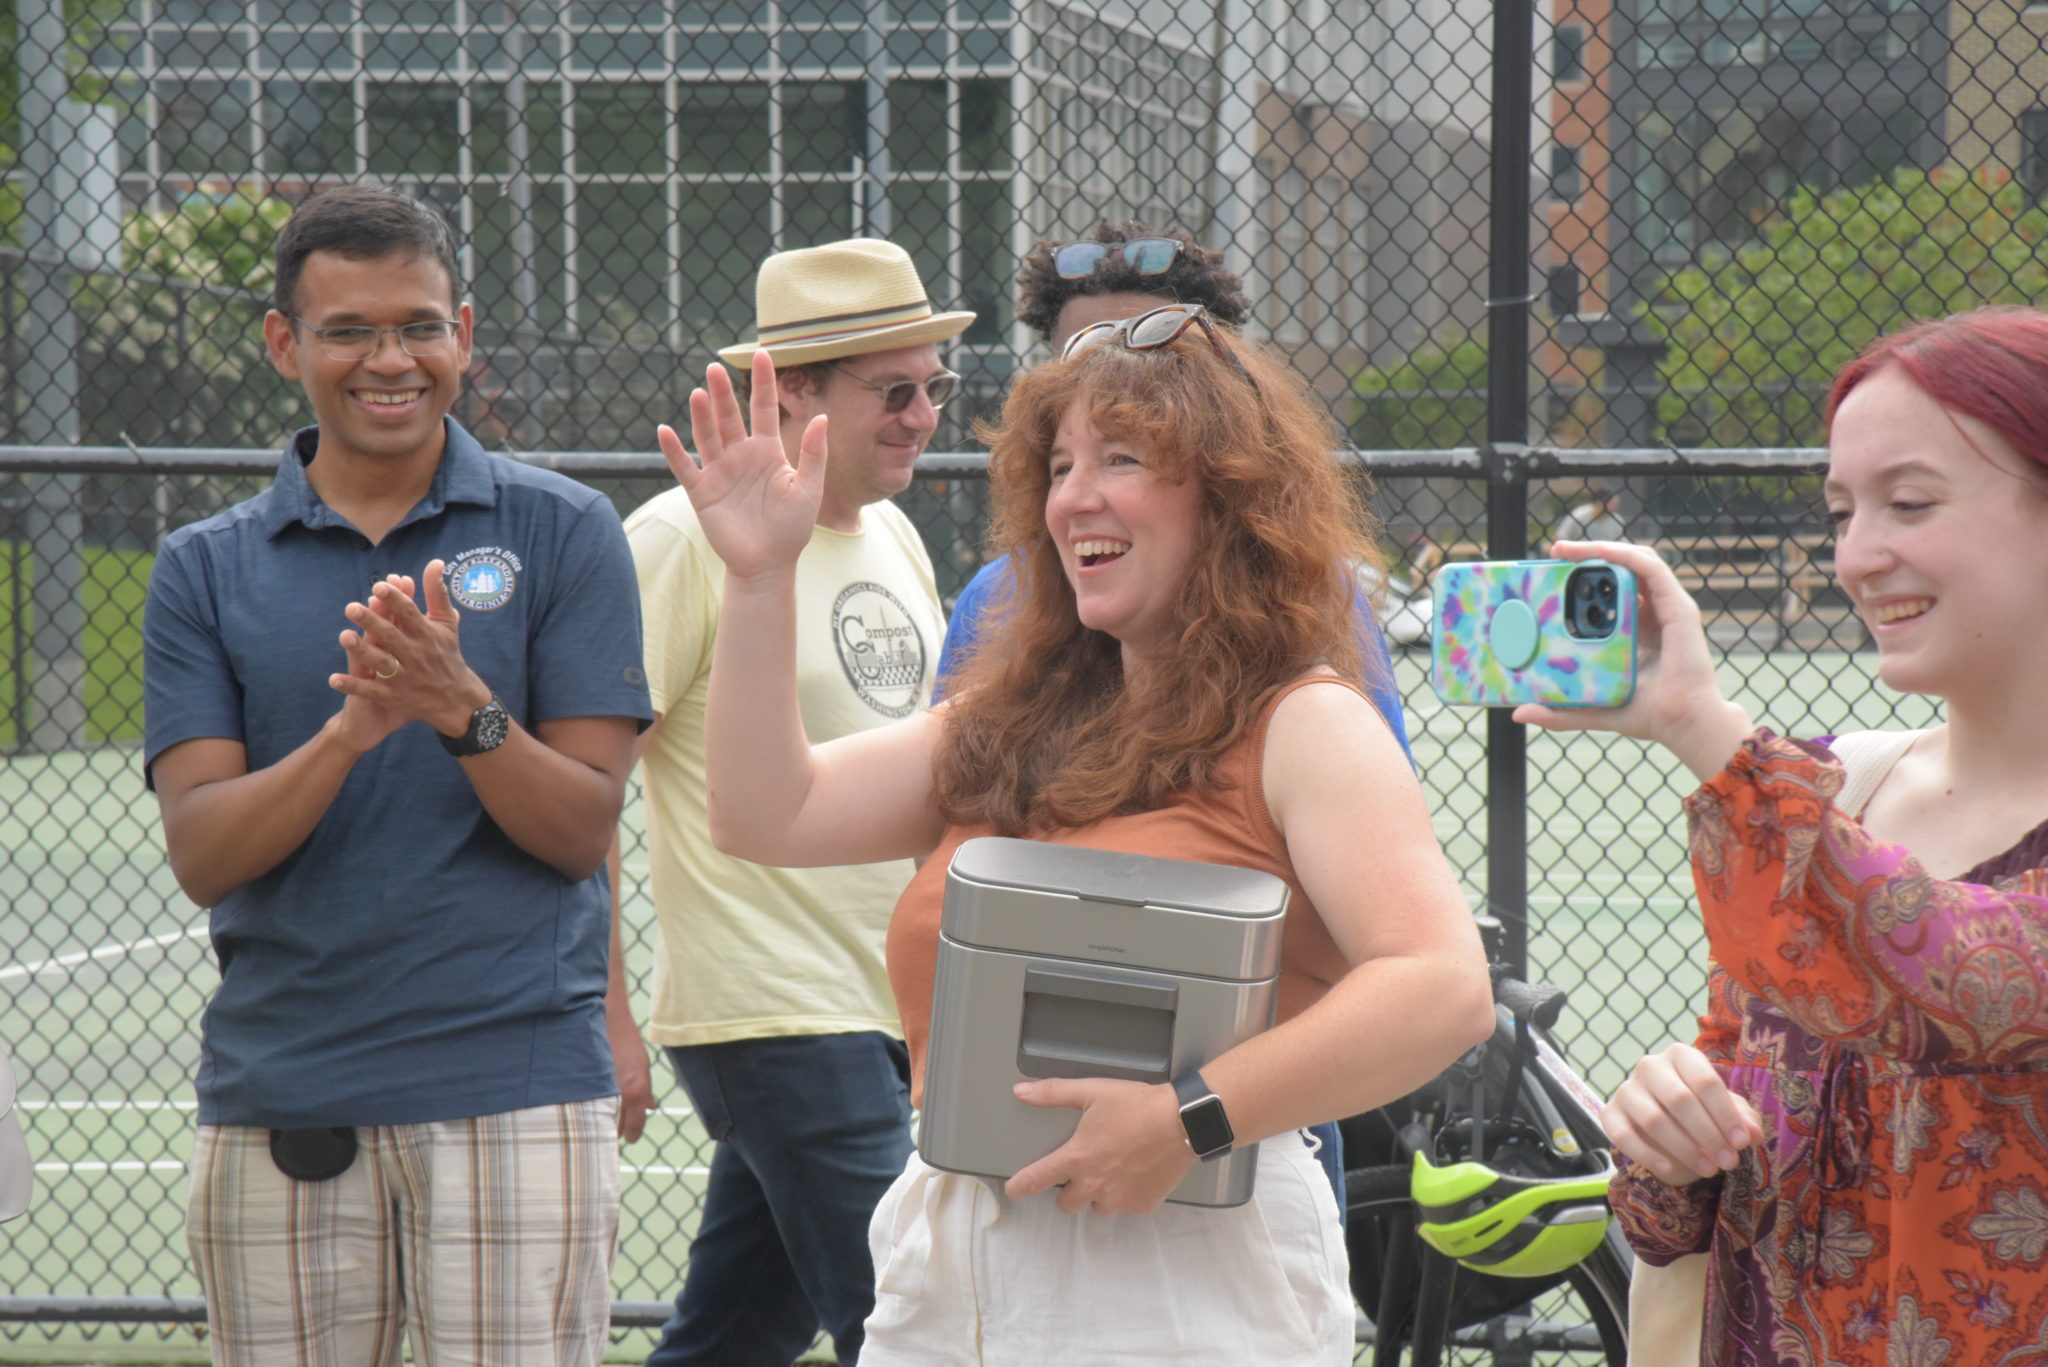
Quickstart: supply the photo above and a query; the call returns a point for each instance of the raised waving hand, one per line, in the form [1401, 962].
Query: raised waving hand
[757, 510]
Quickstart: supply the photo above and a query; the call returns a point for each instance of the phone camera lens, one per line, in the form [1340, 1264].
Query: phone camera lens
[1607, 589]
[1596, 616]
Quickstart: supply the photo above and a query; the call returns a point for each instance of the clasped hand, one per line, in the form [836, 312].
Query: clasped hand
[757, 510]
[1126, 1155]
[404, 663]
[1676, 1116]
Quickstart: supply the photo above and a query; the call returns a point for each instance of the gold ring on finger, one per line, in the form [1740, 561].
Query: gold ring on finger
[390, 673]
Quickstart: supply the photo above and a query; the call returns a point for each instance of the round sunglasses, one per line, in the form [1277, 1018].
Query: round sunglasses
[1145, 255]
[1157, 328]
[896, 395]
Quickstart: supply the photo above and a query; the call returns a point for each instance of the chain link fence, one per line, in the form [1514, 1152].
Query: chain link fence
[1609, 276]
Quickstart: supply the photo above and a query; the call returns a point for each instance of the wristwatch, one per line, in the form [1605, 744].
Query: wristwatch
[488, 727]
[1201, 1115]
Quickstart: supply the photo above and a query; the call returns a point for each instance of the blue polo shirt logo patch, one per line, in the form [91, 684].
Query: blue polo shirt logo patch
[482, 580]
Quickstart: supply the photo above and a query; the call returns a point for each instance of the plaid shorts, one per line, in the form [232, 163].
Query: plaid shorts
[488, 1241]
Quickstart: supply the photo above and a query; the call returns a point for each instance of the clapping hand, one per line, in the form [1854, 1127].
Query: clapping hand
[405, 660]
[366, 720]
[757, 510]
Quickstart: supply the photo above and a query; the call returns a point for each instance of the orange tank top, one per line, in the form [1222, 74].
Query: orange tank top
[1228, 824]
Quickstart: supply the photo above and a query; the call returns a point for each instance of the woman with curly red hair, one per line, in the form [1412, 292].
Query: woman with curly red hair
[1179, 676]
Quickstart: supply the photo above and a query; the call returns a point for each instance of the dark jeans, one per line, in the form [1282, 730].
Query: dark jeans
[810, 1131]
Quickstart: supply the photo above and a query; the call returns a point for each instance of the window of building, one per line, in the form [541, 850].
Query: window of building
[1335, 255]
[621, 128]
[413, 130]
[309, 128]
[667, 148]
[2033, 167]
[203, 126]
[1289, 269]
[1566, 180]
[1568, 53]
[1561, 289]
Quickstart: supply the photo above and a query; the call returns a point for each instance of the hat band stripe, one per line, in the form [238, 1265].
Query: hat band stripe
[816, 329]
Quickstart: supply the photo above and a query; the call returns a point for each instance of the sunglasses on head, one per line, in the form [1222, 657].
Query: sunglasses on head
[1145, 255]
[896, 395]
[1154, 329]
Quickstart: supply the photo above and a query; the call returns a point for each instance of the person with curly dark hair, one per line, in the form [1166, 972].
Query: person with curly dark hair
[1119, 272]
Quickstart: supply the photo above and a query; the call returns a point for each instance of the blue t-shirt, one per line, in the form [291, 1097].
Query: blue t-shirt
[992, 581]
[407, 963]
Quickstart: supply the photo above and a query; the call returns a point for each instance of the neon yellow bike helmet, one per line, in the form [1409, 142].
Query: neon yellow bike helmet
[1507, 1225]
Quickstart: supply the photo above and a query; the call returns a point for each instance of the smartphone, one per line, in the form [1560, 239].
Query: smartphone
[1559, 632]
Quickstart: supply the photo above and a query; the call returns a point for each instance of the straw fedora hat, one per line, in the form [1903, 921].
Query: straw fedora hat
[841, 299]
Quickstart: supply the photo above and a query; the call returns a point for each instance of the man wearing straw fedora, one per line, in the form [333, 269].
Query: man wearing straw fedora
[770, 994]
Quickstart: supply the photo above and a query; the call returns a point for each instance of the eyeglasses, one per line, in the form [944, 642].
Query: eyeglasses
[896, 395]
[1154, 329]
[1145, 255]
[352, 342]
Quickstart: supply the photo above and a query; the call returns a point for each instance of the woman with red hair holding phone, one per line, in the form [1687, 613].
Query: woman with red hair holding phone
[1858, 1139]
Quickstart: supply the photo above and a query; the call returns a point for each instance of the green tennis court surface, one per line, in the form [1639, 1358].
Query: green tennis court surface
[109, 970]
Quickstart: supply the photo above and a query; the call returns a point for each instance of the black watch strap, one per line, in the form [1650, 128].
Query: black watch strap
[1201, 1116]
[489, 725]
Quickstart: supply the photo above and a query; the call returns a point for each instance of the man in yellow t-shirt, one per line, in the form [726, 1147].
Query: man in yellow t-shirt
[770, 994]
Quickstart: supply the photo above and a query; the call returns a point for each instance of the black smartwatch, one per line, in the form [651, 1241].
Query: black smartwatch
[488, 727]
[1201, 1115]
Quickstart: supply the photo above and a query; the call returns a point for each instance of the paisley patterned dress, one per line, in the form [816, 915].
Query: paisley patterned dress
[1892, 1030]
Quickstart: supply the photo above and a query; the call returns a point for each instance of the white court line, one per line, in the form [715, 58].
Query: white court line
[178, 1165]
[124, 1165]
[680, 1112]
[108, 1105]
[115, 951]
[663, 1170]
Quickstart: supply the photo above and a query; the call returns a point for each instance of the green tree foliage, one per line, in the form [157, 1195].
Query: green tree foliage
[223, 242]
[1758, 330]
[177, 337]
[1432, 399]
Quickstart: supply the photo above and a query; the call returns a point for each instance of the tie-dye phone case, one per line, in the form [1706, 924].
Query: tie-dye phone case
[1500, 636]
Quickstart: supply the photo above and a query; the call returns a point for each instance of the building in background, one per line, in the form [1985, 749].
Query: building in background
[618, 167]
[1998, 87]
[1680, 124]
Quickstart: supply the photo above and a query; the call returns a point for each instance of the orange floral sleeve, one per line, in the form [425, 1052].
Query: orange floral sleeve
[1663, 1222]
[1849, 936]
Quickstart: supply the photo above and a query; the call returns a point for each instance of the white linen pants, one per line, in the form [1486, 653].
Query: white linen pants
[965, 1277]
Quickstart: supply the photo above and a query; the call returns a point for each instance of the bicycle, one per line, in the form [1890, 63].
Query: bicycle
[1484, 1191]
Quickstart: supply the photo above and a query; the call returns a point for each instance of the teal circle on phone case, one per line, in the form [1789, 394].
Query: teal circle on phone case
[1512, 634]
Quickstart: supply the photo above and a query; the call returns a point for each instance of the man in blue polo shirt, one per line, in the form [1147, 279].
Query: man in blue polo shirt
[391, 704]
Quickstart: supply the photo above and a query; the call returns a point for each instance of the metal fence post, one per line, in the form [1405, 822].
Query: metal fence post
[17, 570]
[1507, 775]
[1507, 429]
[55, 527]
